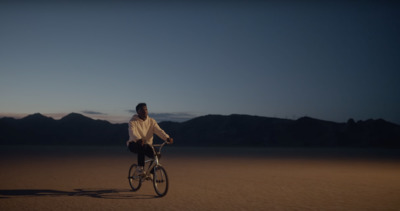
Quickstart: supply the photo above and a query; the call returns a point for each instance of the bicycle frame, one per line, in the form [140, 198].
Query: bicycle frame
[154, 161]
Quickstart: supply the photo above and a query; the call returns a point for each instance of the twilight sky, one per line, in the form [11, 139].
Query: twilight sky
[331, 60]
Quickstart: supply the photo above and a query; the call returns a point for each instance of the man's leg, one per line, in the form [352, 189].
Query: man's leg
[148, 151]
[141, 153]
[138, 149]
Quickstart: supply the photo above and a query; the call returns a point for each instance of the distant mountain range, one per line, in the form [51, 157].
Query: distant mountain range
[209, 130]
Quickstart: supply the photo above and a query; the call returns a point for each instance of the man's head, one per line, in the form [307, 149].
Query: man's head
[141, 110]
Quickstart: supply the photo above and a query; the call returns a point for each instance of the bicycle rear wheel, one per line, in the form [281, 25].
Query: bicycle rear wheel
[134, 179]
[160, 181]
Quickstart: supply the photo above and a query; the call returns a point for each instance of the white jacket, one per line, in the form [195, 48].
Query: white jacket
[139, 129]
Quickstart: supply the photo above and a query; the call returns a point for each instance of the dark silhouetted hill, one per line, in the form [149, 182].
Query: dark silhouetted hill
[73, 129]
[209, 130]
[244, 130]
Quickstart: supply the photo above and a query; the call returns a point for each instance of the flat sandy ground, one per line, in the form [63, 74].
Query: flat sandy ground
[95, 178]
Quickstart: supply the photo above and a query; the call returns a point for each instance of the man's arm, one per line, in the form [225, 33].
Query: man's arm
[132, 132]
[161, 133]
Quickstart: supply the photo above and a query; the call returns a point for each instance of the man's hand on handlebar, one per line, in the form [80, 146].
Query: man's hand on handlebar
[170, 140]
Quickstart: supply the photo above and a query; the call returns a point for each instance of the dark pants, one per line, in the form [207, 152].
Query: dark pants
[141, 151]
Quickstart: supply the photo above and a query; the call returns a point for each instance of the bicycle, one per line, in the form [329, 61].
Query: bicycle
[158, 175]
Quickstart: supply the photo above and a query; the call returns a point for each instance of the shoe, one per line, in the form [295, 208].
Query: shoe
[140, 171]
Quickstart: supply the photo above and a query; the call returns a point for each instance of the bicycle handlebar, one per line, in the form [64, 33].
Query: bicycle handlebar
[160, 146]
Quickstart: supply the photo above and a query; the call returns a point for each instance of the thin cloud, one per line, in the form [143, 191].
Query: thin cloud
[93, 112]
[174, 117]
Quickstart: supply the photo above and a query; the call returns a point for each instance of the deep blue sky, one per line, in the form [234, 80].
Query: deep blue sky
[324, 59]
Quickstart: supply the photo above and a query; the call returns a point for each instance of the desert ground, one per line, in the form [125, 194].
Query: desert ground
[95, 178]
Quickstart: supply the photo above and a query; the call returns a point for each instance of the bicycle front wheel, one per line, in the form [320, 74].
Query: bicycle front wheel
[160, 181]
[134, 179]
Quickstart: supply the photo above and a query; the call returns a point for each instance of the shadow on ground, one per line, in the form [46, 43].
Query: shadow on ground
[94, 193]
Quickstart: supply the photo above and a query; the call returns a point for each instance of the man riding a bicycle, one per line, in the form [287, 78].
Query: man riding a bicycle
[141, 130]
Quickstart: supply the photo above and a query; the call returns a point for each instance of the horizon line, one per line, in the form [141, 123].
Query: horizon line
[119, 119]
